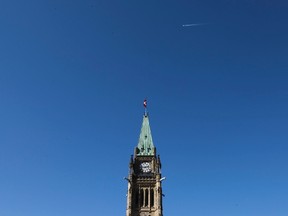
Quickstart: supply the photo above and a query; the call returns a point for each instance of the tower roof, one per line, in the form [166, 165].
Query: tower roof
[145, 143]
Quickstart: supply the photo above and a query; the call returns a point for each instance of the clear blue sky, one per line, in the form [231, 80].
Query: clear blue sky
[73, 75]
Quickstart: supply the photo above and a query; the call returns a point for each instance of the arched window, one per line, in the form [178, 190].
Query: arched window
[141, 198]
[152, 197]
[146, 197]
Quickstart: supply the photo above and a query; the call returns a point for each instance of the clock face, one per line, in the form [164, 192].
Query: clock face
[145, 167]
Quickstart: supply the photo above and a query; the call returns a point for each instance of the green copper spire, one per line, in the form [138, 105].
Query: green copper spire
[145, 143]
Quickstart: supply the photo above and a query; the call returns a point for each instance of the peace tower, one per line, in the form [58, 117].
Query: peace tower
[144, 196]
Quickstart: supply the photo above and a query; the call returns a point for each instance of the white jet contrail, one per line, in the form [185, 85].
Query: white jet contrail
[194, 24]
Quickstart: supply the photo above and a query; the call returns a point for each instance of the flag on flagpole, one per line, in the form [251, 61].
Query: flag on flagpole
[145, 103]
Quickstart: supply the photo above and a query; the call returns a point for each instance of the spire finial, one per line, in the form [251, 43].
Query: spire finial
[145, 106]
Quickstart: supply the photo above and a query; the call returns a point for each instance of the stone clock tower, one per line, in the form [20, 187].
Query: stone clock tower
[144, 196]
